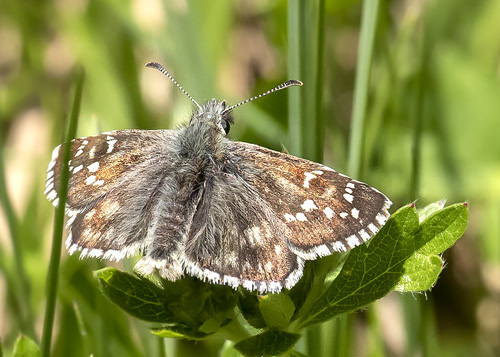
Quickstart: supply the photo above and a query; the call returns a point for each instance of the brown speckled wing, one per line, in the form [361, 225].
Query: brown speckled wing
[113, 190]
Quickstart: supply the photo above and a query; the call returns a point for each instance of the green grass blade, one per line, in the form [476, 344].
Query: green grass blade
[55, 256]
[295, 31]
[318, 112]
[368, 27]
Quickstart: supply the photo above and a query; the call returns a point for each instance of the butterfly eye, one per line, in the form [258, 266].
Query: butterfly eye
[225, 126]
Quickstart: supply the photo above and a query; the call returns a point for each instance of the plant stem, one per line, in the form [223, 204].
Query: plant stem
[366, 44]
[55, 255]
[295, 110]
[318, 108]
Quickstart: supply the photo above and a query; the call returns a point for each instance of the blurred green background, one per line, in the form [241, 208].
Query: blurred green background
[431, 131]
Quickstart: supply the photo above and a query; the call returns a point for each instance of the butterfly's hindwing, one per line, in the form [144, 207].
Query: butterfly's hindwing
[235, 235]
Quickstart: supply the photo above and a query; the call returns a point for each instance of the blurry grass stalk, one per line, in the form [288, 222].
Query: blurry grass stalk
[20, 284]
[374, 334]
[296, 39]
[305, 127]
[415, 321]
[365, 55]
[55, 256]
[421, 76]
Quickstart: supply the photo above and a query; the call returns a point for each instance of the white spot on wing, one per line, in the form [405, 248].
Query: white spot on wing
[355, 213]
[269, 267]
[301, 217]
[289, 217]
[92, 152]
[93, 167]
[348, 190]
[111, 143]
[253, 234]
[350, 185]
[79, 152]
[344, 214]
[277, 249]
[348, 197]
[381, 219]
[328, 212]
[309, 205]
[309, 176]
[90, 180]
[78, 168]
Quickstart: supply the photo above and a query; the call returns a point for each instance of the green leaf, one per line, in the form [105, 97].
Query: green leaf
[371, 270]
[180, 333]
[248, 304]
[421, 273]
[296, 354]
[209, 326]
[430, 209]
[441, 230]
[138, 297]
[191, 308]
[228, 350]
[277, 309]
[25, 347]
[269, 343]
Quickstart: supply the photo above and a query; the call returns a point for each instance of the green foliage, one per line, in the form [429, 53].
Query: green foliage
[25, 347]
[403, 256]
[269, 343]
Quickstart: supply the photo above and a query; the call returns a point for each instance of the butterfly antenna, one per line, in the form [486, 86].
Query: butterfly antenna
[287, 84]
[160, 68]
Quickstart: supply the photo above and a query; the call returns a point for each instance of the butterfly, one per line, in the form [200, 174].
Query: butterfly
[194, 202]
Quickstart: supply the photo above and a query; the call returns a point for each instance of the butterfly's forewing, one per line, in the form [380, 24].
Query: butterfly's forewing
[325, 211]
[114, 189]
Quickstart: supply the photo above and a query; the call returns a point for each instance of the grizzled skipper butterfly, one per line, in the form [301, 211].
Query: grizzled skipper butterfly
[195, 202]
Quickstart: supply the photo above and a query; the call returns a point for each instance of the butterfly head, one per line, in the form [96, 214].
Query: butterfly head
[215, 114]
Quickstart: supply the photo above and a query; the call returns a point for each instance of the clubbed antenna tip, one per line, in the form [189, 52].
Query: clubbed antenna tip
[289, 83]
